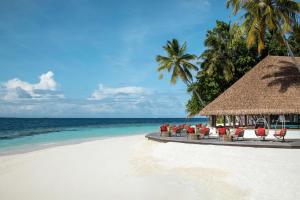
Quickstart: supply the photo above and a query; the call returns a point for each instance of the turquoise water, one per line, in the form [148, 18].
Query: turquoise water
[19, 135]
[72, 136]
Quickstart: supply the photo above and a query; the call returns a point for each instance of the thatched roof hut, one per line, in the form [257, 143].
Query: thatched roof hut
[271, 87]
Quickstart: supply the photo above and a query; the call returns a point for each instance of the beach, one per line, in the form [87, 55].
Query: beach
[132, 167]
[102, 100]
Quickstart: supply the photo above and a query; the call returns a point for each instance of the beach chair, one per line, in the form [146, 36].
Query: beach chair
[261, 132]
[222, 132]
[204, 131]
[191, 133]
[164, 130]
[238, 133]
[280, 134]
[190, 130]
[185, 127]
[176, 131]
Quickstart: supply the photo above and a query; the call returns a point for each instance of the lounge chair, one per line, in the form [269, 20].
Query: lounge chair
[191, 133]
[261, 132]
[221, 132]
[204, 131]
[280, 134]
[164, 130]
[238, 133]
[176, 130]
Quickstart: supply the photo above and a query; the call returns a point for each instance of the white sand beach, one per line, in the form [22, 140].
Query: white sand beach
[135, 168]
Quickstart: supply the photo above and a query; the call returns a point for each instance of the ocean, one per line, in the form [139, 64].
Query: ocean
[25, 134]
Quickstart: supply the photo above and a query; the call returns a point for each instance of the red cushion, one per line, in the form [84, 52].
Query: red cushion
[163, 128]
[222, 131]
[191, 130]
[281, 133]
[261, 132]
[204, 131]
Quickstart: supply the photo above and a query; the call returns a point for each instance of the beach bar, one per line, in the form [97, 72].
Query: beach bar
[269, 91]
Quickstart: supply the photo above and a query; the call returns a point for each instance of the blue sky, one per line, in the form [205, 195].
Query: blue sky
[96, 58]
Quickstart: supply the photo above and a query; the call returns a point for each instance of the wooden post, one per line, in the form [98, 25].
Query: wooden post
[214, 120]
[234, 120]
[224, 120]
[210, 121]
[246, 120]
[269, 121]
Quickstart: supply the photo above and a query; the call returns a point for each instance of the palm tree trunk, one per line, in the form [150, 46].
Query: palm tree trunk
[290, 52]
[200, 99]
[197, 94]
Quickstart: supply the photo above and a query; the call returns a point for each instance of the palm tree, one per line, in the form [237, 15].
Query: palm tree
[217, 57]
[275, 16]
[178, 62]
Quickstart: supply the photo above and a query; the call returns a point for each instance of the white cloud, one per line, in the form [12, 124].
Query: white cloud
[130, 101]
[46, 82]
[116, 93]
[16, 89]
[135, 101]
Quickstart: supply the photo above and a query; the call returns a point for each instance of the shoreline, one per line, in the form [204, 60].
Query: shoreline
[40, 147]
[293, 134]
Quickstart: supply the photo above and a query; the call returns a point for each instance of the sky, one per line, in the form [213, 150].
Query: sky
[96, 58]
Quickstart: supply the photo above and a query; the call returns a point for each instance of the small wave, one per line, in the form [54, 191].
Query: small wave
[17, 134]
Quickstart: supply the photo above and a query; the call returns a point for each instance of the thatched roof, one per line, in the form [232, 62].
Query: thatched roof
[271, 87]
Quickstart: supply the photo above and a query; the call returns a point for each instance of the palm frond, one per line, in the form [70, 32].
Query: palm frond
[189, 66]
[162, 59]
[182, 74]
[252, 34]
[174, 44]
[160, 76]
[235, 4]
[177, 61]
[183, 49]
[188, 74]
[188, 57]
[162, 67]
[174, 77]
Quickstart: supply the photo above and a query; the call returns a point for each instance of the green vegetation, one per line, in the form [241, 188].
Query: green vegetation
[277, 17]
[224, 61]
[231, 50]
[178, 62]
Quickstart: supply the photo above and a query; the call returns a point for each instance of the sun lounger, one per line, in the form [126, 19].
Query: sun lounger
[164, 132]
[204, 131]
[222, 132]
[191, 134]
[238, 133]
[176, 131]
